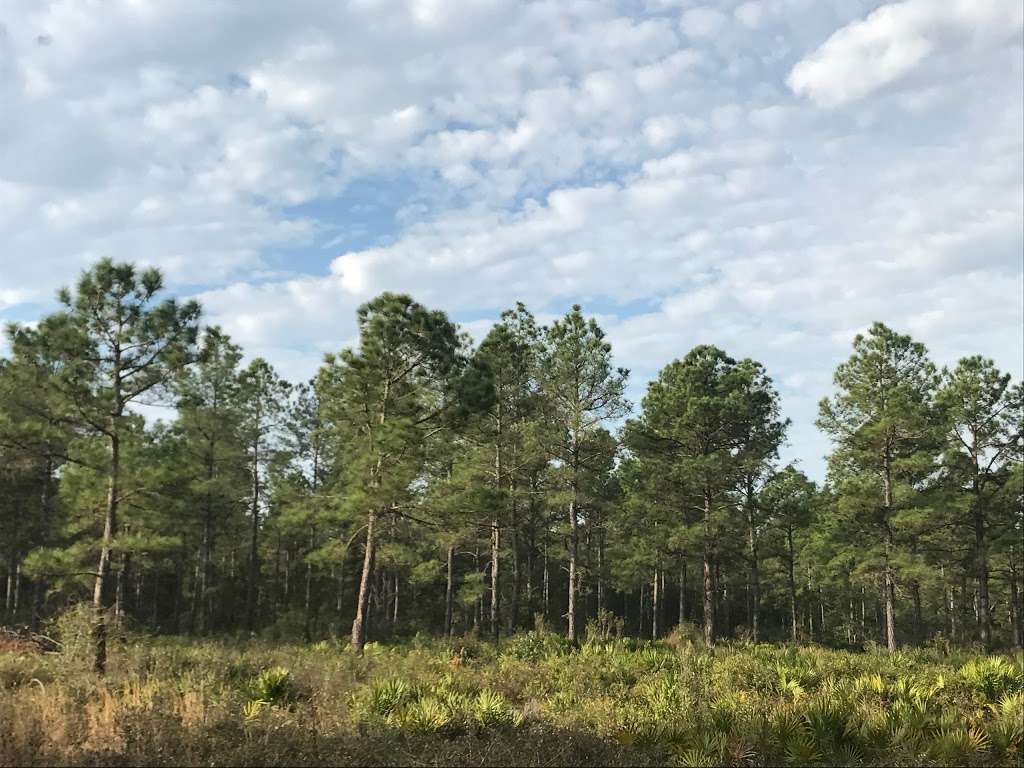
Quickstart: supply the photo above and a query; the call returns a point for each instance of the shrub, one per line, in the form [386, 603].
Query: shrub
[273, 686]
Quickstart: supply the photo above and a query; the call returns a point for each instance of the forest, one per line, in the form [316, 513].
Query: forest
[426, 491]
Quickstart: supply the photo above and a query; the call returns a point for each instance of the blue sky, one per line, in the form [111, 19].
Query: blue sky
[770, 176]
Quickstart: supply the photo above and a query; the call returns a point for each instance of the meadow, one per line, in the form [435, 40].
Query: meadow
[530, 700]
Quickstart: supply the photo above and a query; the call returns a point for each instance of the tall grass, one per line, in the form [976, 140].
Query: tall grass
[533, 700]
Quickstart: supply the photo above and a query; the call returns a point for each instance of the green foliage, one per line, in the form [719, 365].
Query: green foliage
[274, 686]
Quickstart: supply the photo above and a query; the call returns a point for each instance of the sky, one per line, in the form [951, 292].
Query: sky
[769, 176]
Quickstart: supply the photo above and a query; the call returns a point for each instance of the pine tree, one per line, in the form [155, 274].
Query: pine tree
[582, 390]
[883, 423]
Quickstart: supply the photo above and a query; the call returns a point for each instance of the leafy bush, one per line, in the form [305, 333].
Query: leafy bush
[534, 646]
[273, 686]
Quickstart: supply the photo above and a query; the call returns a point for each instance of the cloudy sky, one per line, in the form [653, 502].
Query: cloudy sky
[769, 176]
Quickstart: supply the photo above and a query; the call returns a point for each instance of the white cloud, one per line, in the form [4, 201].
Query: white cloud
[672, 168]
[894, 40]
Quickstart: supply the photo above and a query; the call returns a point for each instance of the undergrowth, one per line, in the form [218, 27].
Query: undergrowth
[532, 700]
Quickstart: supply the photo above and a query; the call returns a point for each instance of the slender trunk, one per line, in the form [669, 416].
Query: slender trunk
[755, 575]
[709, 586]
[513, 618]
[889, 594]
[449, 592]
[723, 615]
[250, 587]
[981, 565]
[573, 553]
[496, 539]
[654, 606]
[394, 604]
[792, 585]
[682, 590]
[100, 595]
[119, 581]
[863, 617]
[359, 623]
[547, 581]
[640, 621]
[10, 589]
[1016, 620]
[495, 584]
[600, 571]
[849, 625]
[17, 587]
[307, 597]
[915, 593]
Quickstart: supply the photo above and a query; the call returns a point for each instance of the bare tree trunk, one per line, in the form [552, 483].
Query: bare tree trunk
[981, 565]
[250, 586]
[394, 608]
[709, 585]
[9, 601]
[654, 606]
[573, 554]
[890, 584]
[362, 602]
[682, 590]
[513, 618]
[495, 584]
[792, 586]
[547, 581]
[449, 592]
[1016, 620]
[307, 596]
[17, 588]
[640, 620]
[100, 596]
[755, 575]
[915, 592]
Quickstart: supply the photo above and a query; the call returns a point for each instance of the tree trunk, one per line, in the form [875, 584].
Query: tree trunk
[573, 553]
[682, 590]
[513, 617]
[394, 604]
[1016, 620]
[307, 597]
[654, 606]
[449, 592]
[101, 589]
[495, 584]
[547, 581]
[362, 602]
[250, 587]
[981, 564]
[709, 585]
[915, 592]
[890, 584]
[755, 576]
[792, 585]
[10, 589]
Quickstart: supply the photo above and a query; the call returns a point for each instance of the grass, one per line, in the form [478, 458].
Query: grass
[531, 701]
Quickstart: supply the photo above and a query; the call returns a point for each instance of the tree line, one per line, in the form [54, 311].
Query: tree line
[421, 483]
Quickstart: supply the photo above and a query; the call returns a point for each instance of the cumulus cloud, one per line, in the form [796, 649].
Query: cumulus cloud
[893, 41]
[768, 176]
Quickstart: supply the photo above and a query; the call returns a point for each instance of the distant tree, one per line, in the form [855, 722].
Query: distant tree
[982, 435]
[788, 501]
[381, 401]
[263, 397]
[883, 422]
[696, 417]
[582, 390]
